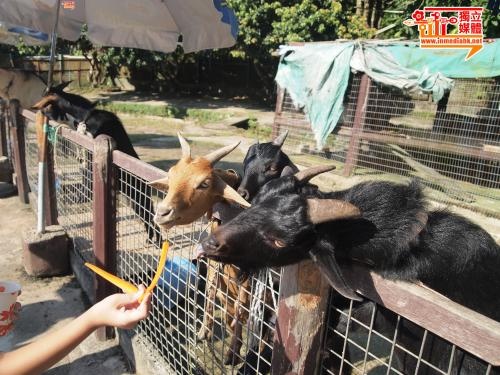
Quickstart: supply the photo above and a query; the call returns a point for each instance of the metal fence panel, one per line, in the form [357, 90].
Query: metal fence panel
[452, 147]
[74, 193]
[182, 301]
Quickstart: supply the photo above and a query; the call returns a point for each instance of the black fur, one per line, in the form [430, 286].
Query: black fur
[450, 254]
[263, 163]
[76, 109]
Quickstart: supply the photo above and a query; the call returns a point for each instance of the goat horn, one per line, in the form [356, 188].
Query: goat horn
[280, 139]
[216, 155]
[323, 210]
[186, 149]
[307, 174]
[226, 192]
[44, 102]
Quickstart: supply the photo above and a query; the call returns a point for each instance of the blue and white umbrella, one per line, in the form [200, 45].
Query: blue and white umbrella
[157, 25]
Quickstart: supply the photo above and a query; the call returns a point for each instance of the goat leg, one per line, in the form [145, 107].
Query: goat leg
[206, 329]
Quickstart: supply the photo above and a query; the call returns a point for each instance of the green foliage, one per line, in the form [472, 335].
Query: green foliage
[200, 116]
[264, 25]
[169, 111]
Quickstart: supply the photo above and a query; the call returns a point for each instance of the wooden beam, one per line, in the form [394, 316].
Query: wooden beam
[459, 325]
[300, 320]
[358, 125]
[104, 225]
[18, 150]
[137, 167]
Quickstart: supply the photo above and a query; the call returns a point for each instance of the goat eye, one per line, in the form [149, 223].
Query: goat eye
[279, 243]
[272, 169]
[205, 184]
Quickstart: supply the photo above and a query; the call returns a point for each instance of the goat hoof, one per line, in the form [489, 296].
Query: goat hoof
[231, 358]
[203, 334]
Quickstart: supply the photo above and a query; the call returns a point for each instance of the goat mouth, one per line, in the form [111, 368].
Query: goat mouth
[167, 223]
[209, 251]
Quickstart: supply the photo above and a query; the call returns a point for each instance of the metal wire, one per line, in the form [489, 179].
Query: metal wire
[183, 301]
[376, 340]
[74, 194]
[31, 156]
[453, 148]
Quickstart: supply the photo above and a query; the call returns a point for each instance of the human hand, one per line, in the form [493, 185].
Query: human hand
[120, 310]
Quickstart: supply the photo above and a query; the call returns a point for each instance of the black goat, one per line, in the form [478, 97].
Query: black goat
[60, 105]
[382, 224]
[263, 163]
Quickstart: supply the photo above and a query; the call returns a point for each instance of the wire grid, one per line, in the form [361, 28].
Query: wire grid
[74, 194]
[408, 135]
[182, 297]
[31, 157]
[370, 339]
[5, 116]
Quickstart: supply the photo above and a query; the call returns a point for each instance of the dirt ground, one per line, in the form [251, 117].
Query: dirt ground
[49, 303]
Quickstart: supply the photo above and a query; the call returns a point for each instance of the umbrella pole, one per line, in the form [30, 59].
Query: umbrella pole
[42, 146]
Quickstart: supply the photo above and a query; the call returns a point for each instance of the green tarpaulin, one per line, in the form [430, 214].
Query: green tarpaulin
[316, 75]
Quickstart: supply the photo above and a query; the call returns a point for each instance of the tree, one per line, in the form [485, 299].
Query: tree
[265, 25]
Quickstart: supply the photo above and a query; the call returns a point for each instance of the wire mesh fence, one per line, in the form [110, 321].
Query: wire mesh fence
[203, 320]
[452, 147]
[366, 338]
[74, 194]
[31, 154]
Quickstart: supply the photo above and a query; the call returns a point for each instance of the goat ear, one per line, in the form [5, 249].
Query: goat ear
[216, 155]
[287, 171]
[161, 184]
[226, 192]
[323, 210]
[330, 269]
[44, 102]
[186, 149]
[61, 86]
[280, 139]
[305, 175]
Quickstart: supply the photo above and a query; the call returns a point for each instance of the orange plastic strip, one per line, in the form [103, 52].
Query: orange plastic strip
[127, 287]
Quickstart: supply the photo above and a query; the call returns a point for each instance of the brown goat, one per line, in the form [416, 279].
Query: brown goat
[193, 186]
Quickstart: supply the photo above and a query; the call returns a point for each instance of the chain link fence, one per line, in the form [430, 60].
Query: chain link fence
[452, 147]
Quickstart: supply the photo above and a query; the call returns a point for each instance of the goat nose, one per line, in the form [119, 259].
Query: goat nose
[213, 243]
[244, 193]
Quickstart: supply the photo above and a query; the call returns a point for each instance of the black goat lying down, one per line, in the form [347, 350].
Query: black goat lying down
[382, 224]
[62, 106]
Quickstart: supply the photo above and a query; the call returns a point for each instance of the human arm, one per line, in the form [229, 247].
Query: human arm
[118, 310]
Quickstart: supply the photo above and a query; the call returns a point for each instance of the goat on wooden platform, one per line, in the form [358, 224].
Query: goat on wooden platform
[60, 105]
[384, 225]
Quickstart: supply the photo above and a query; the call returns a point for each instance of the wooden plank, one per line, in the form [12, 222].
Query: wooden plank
[358, 125]
[3, 128]
[18, 150]
[461, 326]
[300, 320]
[104, 225]
[277, 112]
[425, 144]
[135, 166]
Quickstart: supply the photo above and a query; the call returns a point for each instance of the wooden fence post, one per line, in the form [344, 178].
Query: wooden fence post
[104, 226]
[18, 150]
[3, 128]
[301, 320]
[280, 96]
[358, 125]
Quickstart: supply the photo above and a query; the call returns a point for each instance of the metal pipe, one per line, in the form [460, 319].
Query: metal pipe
[42, 164]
